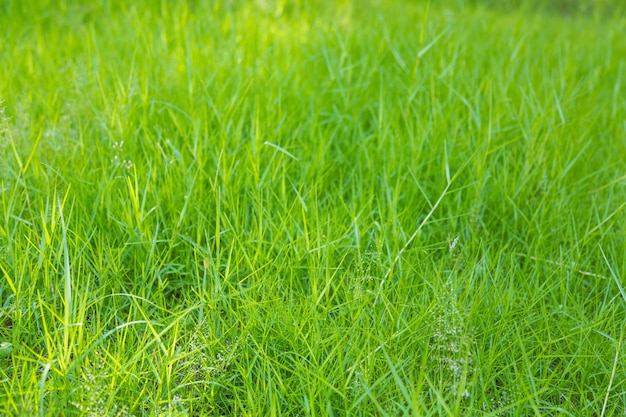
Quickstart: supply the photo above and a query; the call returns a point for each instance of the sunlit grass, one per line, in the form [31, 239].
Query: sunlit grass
[312, 208]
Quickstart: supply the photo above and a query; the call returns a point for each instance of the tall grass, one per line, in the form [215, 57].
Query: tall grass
[312, 208]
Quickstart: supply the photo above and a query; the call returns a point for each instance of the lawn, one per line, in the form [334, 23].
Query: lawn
[312, 208]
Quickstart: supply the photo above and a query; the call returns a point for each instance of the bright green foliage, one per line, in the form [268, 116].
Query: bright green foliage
[289, 207]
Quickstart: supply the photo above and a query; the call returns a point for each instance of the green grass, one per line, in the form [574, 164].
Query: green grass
[312, 208]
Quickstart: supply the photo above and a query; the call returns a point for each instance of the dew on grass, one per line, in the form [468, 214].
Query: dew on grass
[451, 345]
[93, 393]
[4, 127]
[118, 160]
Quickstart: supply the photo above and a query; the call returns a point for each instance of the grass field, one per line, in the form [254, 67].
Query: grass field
[312, 208]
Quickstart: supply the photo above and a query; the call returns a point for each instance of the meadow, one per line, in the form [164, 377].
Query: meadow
[312, 208]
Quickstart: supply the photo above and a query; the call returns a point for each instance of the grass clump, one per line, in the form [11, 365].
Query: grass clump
[304, 208]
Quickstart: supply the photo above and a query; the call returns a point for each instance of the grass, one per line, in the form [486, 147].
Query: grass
[312, 208]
